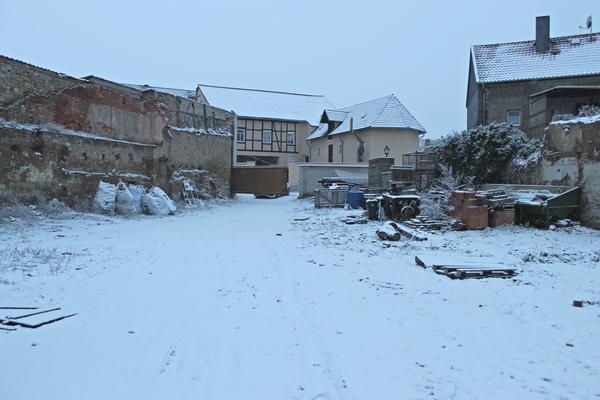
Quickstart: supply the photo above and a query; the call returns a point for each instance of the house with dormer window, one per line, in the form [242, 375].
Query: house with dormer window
[528, 83]
[356, 134]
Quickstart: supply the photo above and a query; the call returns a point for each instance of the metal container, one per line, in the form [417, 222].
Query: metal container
[373, 209]
[330, 197]
[354, 198]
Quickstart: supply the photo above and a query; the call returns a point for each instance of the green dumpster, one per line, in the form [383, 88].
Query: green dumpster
[540, 205]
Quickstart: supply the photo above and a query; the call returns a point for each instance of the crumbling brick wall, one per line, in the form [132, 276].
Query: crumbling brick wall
[38, 165]
[190, 151]
[125, 114]
[138, 132]
[19, 80]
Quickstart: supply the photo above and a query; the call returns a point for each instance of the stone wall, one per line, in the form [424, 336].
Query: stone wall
[183, 153]
[571, 157]
[38, 165]
[96, 129]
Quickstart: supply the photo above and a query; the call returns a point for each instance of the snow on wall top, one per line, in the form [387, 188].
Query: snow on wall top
[568, 56]
[190, 94]
[578, 120]
[385, 112]
[253, 103]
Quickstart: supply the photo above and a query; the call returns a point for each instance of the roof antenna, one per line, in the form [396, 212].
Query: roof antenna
[588, 24]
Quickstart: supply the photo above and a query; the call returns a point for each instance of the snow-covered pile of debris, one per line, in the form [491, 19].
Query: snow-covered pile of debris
[486, 152]
[14, 210]
[587, 115]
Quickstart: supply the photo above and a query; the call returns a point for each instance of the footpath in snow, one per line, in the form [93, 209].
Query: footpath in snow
[273, 299]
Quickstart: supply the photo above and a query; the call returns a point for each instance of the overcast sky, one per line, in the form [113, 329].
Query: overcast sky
[349, 51]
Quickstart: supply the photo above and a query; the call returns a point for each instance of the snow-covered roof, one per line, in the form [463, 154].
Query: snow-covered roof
[335, 115]
[385, 112]
[575, 55]
[254, 103]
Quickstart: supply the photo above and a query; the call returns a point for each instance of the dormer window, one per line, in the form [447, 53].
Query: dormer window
[331, 126]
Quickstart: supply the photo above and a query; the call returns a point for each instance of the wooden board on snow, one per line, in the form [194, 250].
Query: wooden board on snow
[465, 267]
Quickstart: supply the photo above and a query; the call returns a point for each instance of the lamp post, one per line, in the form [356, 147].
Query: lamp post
[386, 150]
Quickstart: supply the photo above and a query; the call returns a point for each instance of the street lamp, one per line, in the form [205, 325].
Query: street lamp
[386, 150]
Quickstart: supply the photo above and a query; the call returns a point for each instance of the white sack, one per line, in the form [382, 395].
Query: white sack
[104, 201]
[137, 191]
[124, 200]
[156, 202]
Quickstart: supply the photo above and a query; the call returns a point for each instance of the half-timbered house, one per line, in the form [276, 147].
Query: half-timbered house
[272, 127]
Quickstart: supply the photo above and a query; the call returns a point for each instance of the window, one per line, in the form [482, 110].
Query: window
[291, 138]
[267, 136]
[241, 135]
[513, 117]
[319, 152]
[330, 126]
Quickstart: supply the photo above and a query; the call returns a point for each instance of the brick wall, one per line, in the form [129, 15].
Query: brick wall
[19, 80]
[131, 130]
[191, 151]
[40, 165]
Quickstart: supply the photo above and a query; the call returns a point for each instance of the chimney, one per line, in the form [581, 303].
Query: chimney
[542, 34]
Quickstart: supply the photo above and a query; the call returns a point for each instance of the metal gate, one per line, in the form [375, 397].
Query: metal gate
[263, 180]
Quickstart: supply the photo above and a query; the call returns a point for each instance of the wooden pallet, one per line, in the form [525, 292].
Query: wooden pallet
[473, 272]
[471, 267]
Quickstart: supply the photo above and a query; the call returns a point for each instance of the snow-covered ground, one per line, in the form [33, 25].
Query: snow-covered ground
[239, 300]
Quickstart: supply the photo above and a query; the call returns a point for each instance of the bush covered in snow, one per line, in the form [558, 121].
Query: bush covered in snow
[486, 152]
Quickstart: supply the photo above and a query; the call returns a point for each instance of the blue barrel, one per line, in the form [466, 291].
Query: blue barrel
[354, 198]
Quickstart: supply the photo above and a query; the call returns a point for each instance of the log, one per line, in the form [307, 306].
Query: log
[409, 233]
[388, 232]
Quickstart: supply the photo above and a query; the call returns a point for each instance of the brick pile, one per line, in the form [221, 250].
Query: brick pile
[502, 217]
[480, 210]
[471, 209]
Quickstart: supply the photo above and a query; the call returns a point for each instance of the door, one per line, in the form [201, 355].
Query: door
[330, 153]
[263, 180]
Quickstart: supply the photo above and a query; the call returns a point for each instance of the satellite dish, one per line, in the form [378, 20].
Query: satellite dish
[588, 23]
